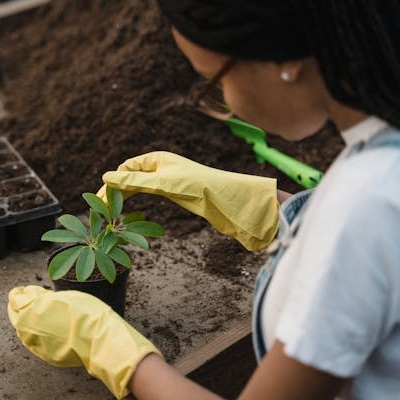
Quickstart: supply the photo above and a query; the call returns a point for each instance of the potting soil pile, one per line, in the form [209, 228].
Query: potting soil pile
[85, 84]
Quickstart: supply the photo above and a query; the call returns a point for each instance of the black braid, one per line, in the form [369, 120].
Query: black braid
[357, 46]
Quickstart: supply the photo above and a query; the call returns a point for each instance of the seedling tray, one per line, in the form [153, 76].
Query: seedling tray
[27, 207]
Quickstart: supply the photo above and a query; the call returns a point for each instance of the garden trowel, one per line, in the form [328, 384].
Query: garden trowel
[303, 174]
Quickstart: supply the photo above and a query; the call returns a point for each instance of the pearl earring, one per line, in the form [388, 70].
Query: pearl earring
[285, 76]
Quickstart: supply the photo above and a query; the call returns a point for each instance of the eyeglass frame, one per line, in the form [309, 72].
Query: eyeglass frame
[196, 96]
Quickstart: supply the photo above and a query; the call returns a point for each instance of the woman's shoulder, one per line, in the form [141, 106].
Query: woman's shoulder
[367, 178]
[357, 205]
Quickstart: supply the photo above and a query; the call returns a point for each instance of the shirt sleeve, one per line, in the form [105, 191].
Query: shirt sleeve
[344, 297]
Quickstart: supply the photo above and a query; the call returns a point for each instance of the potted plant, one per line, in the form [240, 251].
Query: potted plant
[93, 259]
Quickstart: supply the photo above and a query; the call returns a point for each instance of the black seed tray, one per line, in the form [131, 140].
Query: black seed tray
[27, 207]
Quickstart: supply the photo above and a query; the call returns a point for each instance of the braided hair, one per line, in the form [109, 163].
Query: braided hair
[355, 42]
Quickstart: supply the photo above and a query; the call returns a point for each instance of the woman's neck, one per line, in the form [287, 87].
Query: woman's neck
[343, 116]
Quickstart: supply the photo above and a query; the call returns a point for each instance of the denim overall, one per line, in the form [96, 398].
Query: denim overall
[291, 213]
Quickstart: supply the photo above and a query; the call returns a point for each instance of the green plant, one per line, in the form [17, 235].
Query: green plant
[100, 245]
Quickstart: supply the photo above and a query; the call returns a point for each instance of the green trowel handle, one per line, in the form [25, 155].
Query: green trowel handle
[306, 176]
[303, 174]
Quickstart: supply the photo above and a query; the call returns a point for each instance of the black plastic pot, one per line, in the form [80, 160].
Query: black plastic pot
[113, 294]
[27, 207]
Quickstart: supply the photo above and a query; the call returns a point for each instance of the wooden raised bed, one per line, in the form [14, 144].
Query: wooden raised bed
[225, 364]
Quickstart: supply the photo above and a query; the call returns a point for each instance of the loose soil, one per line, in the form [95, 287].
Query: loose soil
[87, 85]
[12, 171]
[28, 201]
[6, 157]
[18, 186]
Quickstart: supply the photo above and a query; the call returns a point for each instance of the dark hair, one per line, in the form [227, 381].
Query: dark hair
[357, 46]
[243, 29]
[355, 42]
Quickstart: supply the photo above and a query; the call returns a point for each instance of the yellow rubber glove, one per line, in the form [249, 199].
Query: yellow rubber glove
[71, 329]
[238, 205]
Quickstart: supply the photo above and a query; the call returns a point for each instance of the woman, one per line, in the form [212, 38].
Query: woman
[327, 323]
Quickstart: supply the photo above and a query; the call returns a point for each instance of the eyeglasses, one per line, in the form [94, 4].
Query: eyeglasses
[206, 96]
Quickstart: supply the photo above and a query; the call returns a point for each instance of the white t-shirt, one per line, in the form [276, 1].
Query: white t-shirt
[334, 300]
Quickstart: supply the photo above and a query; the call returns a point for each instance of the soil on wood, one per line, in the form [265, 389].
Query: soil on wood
[87, 85]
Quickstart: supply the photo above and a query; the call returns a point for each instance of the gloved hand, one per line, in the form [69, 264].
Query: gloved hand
[71, 328]
[242, 206]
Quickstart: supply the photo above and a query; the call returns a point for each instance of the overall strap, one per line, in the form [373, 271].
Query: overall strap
[388, 137]
[290, 218]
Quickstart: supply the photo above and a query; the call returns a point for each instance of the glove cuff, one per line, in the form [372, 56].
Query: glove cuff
[113, 360]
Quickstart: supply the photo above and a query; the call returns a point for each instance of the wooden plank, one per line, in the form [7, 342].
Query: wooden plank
[229, 371]
[199, 357]
[17, 6]
[223, 365]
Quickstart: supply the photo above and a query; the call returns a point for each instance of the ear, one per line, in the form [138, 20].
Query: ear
[290, 71]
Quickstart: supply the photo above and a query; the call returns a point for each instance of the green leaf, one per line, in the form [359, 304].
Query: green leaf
[62, 236]
[100, 236]
[73, 224]
[95, 222]
[97, 204]
[146, 228]
[105, 265]
[134, 216]
[85, 264]
[120, 257]
[63, 262]
[122, 242]
[110, 239]
[115, 200]
[135, 239]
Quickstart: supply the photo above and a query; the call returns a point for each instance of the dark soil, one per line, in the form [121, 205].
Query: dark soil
[85, 83]
[233, 260]
[6, 157]
[29, 200]
[18, 186]
[12, 171]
